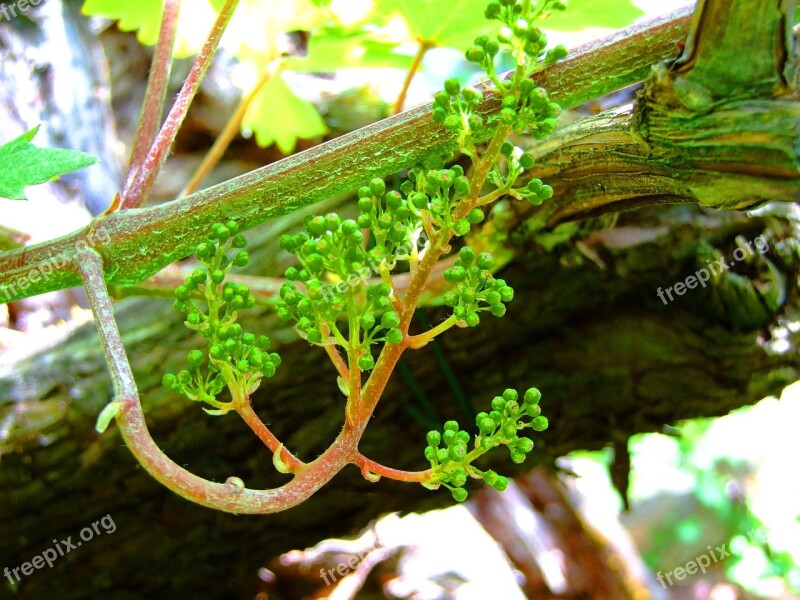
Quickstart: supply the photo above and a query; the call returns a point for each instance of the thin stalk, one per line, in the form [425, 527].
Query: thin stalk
[225, 137]
[141, 182]
[155, 95]
[424, 46]
[418, 341]
[245, 410]
[370, 466]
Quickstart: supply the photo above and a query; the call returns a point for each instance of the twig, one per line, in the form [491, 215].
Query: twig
[141, 182]
[155, 95]
[225, 137]
[424, 46]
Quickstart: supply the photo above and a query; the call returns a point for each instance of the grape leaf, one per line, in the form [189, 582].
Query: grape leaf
[23, 164]
[580, 14]
[144, 17]
[456, 23]
[330, 50]
[278, 115]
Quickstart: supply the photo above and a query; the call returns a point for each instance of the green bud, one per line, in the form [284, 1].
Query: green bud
[314, 336]
[451, 426]
[459, 494]
[195, 358]
[486, 426]
[473, 319]
[532, 396]
[434, 438]
[455, 274]
[430, 454]
[492, 10]
[498, 404]
[452, 87]
[419, 200]
[377, 187]
[452, 122]
[517, 457]
[366, 362]
[217, 276]
[475, 54]
[475, 216]
[241, 259]
[500, 484]
[466, 255]
[490, 477]
[461, 227]
[526, 160]
[169, 381]
[394, 336]
[508, 116]
[524, 444]
[539, 423]
[510, 395]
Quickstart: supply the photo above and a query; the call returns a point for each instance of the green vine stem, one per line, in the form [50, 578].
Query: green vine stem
[143, 241]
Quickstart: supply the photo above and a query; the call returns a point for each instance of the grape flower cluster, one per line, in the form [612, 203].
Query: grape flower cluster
[234, 358]
[451, 457]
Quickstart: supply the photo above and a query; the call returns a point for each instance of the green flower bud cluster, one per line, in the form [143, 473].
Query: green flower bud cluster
[476, 289]
[520, 35]
[395, 221]
[449, 452]
[518, 161]
[532, 112]
[454, 108]
[234, 357]
[332, 249]
[438, 191]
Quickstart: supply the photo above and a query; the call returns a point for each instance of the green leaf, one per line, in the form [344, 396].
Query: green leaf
[580, 14]
[141, 16]
[450, 23]
[278, 115]
[144, 17]
[23, 164]
[456, 23]
[330, 49]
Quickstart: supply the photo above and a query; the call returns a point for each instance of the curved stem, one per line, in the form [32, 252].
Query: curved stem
[130, 419]
[372, 467]
[245, 410]
[424, 46]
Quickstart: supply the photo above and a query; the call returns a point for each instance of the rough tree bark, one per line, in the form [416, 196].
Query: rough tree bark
[586, 327]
